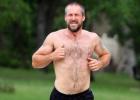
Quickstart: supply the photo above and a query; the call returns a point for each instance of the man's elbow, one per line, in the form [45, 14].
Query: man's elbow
[37, 65]
[34, 62]
[34, 65]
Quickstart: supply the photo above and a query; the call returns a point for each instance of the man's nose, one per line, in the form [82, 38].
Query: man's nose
[73, 17]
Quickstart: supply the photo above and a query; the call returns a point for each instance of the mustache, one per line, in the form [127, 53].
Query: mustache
[73, 21]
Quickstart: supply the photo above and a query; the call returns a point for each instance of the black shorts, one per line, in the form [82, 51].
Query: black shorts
[86, 95]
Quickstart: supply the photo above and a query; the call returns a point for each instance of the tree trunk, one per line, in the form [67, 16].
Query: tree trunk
[50, 18]
[45, 18]
[41, 21]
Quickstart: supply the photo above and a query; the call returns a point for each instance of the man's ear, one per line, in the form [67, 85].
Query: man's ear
[83, 18]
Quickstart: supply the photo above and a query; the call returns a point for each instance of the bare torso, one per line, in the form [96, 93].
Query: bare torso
[72, 73]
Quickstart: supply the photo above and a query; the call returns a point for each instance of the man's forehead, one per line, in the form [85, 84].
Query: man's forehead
[74, 8]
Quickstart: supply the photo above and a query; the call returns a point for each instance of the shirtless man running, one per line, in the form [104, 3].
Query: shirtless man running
[71, 50]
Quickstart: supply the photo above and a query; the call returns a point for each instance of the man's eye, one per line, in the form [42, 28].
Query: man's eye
[76, 14]
[70, 14]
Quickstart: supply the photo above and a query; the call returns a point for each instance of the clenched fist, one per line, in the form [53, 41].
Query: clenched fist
[59, 53]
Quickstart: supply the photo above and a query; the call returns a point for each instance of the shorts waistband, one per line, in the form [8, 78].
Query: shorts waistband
[77, 94]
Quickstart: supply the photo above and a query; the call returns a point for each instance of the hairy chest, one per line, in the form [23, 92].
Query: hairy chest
[76, 49]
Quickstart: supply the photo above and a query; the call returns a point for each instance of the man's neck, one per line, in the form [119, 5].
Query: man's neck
[74, 34]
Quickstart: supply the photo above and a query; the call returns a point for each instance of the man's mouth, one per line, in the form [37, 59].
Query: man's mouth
[73, 22]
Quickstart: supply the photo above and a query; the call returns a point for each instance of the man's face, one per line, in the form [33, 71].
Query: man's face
[74, 18]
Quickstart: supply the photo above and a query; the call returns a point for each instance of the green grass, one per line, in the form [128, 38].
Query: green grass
[37, 85]
[115, 87]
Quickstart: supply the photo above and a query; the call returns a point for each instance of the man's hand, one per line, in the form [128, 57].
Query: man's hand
[94, 64]
[58, 54]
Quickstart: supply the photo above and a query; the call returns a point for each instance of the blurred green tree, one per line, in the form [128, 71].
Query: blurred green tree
[25, 24]
[15, 31]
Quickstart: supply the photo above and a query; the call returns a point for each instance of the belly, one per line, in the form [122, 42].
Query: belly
[72, 76]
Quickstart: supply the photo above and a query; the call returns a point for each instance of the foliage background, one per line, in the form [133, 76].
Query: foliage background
[21, 32]
[24, 24]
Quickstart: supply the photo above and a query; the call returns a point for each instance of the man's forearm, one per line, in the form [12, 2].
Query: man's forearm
[105, 59]
[41, 61]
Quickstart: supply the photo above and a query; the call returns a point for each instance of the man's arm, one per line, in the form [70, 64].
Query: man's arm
[42, 57]
[103, 54]
[46, 53]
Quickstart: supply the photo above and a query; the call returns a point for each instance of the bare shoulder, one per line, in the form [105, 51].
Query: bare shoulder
[92, 35]
[53, 35]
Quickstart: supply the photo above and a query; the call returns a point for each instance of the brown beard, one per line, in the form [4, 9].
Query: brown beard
[75, 30]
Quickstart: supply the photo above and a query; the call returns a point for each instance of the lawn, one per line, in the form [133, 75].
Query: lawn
[37, 85]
